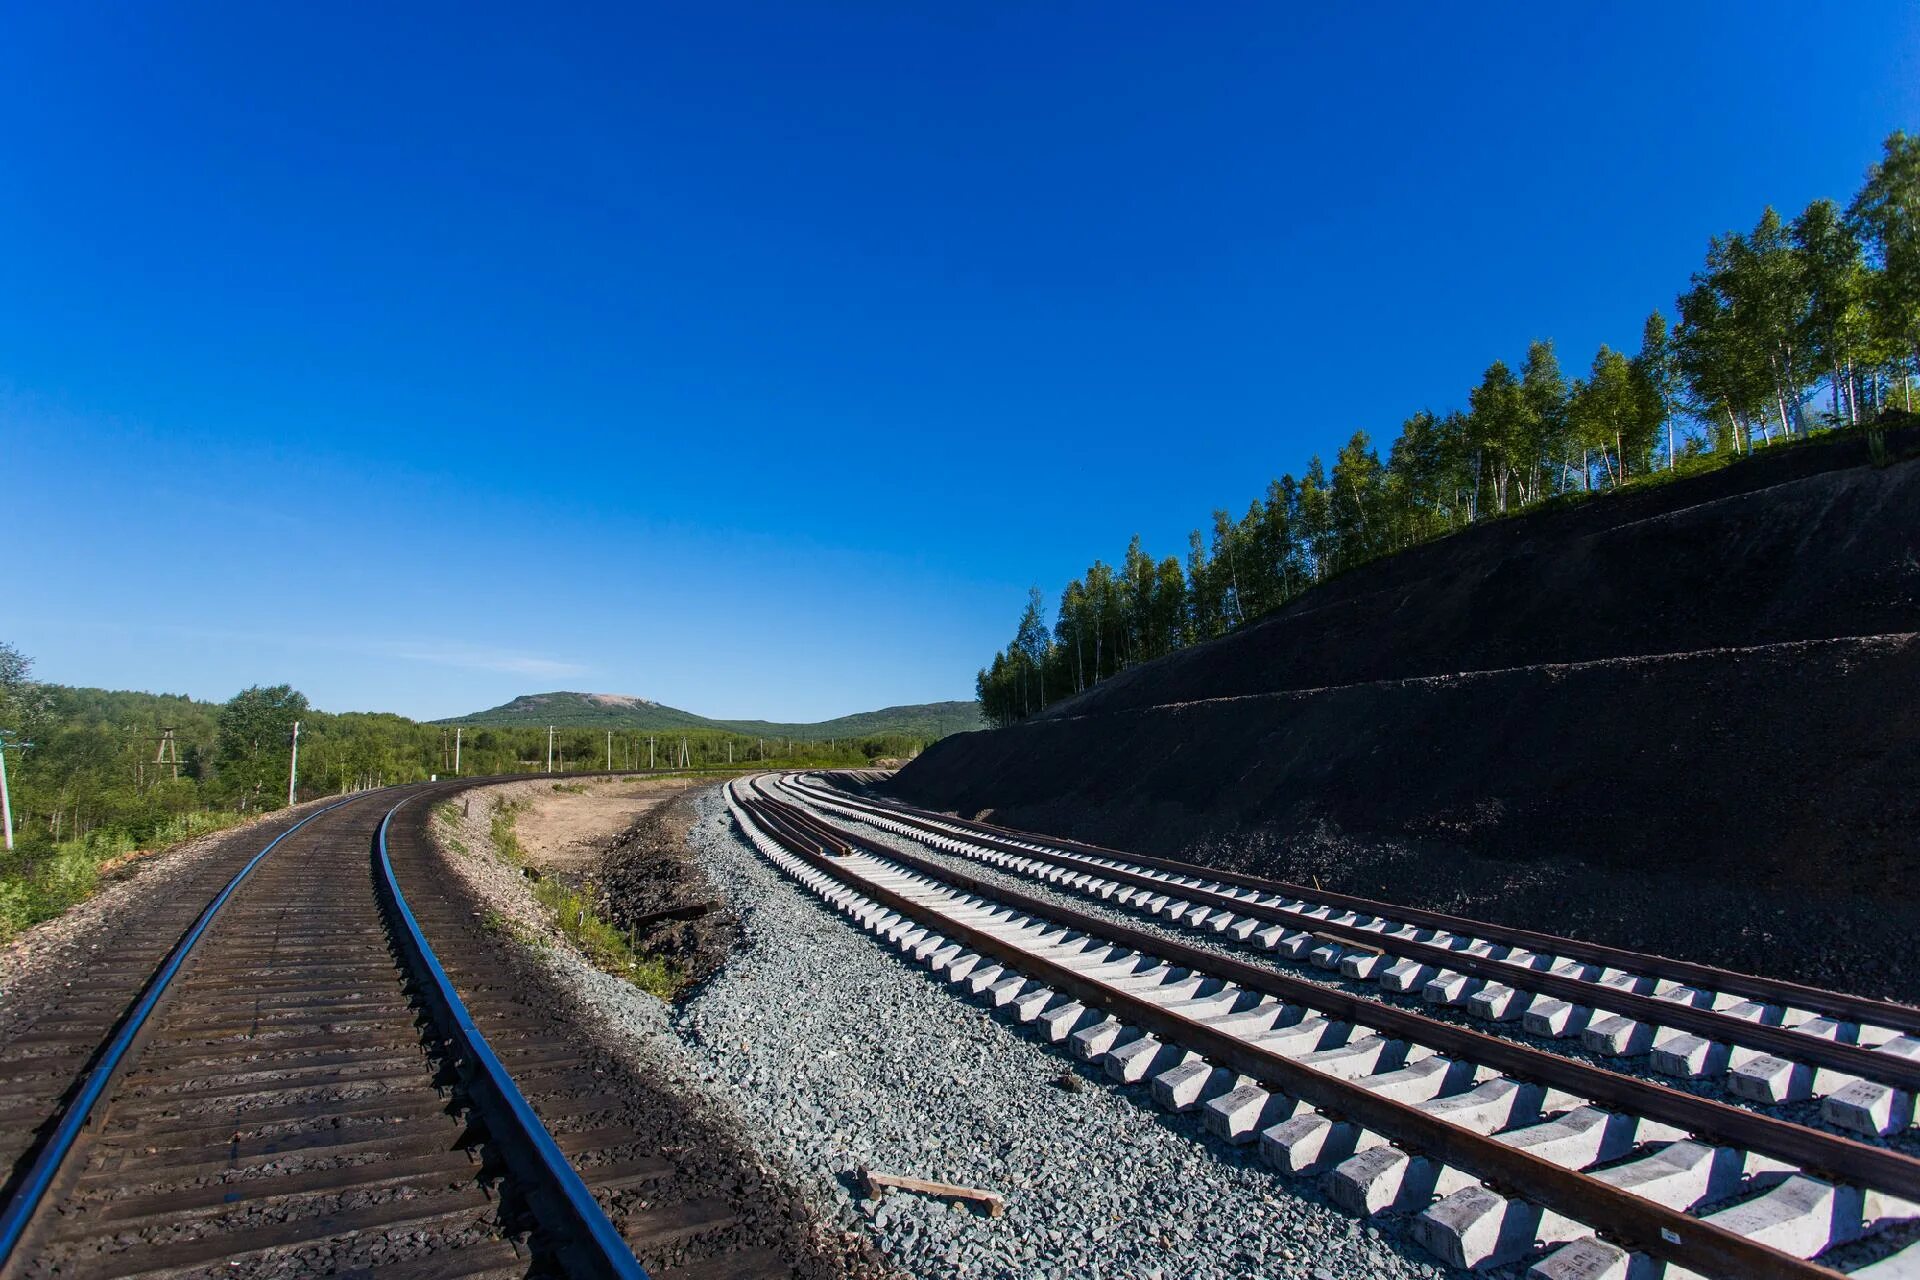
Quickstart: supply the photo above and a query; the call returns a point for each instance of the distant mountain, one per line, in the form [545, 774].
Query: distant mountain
[924, 720]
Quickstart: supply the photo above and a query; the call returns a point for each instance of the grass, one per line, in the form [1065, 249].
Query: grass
[449, 814]
[601, 942]
[506, 841]
[38, 883]
[572, 910]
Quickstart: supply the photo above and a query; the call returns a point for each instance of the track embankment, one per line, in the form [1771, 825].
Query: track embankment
[1686, 721]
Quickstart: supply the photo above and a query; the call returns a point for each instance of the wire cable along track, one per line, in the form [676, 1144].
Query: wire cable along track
[264, 1097]
[1497, 1151]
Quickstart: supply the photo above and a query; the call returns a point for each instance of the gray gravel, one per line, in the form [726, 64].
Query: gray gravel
[841, 1054]
[825, 1051]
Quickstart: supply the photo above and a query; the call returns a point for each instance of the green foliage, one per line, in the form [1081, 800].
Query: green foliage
[506, 841]
[255, 732]
[1885, 215]
[602, 943]
[39, 881]
[1771, 313]
[93, 772]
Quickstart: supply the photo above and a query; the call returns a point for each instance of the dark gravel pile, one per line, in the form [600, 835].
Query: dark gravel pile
[649, 884]
[1684, 720]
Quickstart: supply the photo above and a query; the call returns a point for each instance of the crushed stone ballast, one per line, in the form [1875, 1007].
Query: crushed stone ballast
[1397, 1111]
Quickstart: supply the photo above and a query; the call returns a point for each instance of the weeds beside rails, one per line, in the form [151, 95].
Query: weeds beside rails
[600, 941]
[38, 882]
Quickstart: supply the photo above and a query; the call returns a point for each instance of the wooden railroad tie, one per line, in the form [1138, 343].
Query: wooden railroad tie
[1351, 946]
[878, 1184]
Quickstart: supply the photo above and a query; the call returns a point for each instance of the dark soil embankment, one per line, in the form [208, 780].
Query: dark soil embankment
[650, 887]
[1685, 719]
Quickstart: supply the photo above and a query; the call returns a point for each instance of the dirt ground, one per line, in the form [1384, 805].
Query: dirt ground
[624, 841]
[648, 884]
[567, 825]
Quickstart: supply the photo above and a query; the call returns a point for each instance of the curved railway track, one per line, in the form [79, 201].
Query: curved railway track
[314, 1061]
[1500, 1152]
[1769, 1041]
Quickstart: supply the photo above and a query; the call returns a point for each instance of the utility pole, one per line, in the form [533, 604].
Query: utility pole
[6, 798]
[293, 762]
[549, 748]
[609, 751]
[169, 751]
[729, 753]
[650, 759]
[456, 752]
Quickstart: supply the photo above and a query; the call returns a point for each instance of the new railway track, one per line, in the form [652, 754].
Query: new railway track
[1768, 1041]
[1499, 1152]
[312, 1060]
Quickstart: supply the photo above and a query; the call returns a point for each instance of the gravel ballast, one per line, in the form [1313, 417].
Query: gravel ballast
[836, 1054]
[825, 1052]
[1804, 1112]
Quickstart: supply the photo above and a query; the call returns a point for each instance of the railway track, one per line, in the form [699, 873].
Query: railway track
[1497, 1151]
[1767, 1041]
[317, 1061]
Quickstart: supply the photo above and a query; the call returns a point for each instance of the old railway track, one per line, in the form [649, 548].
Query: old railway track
[314, 1062]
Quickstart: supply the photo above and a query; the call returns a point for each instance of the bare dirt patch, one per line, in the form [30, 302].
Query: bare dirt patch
[565, 826]
[617, 848]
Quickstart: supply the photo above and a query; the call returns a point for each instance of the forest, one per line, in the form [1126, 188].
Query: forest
[1795, 327]
[108, 773]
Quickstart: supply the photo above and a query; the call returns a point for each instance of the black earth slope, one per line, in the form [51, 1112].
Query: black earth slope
[1685, 718]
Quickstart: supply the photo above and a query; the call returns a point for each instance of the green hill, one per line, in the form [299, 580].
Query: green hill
[925, 720]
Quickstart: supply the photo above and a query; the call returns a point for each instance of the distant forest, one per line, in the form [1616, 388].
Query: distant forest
[921, 722]
[102, 778]
[1829, 301]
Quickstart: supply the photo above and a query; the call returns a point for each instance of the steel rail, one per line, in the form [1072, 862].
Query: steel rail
[594, 1248]
[1852, 1059]
[27, 1199]
[1815, 1151]
[1839, 1004]
[1641, 1224]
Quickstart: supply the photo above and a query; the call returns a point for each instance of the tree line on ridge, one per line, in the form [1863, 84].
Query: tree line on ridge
[1827, 301]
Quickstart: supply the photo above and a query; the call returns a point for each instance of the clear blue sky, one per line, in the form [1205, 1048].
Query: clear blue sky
[756, 358]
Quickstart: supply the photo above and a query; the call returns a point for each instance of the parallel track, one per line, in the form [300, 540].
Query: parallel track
[1774, 1041]
[1483, 1173]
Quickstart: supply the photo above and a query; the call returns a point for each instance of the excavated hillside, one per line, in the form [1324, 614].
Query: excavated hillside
[1684, 719]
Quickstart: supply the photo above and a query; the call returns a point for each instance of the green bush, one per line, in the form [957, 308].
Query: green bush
[38, 882]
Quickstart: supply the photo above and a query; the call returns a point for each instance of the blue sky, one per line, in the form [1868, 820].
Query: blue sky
[756, 358]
